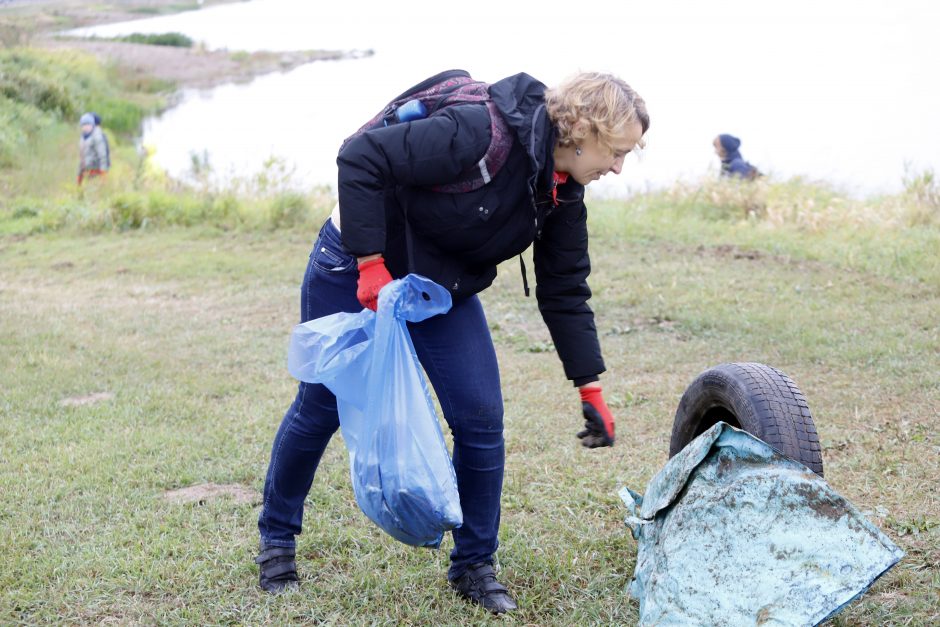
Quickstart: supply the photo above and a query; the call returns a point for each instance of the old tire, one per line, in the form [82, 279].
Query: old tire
[756, 398]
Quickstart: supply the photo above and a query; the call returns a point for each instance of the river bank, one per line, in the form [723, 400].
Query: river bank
[39, 23]
[191, 67]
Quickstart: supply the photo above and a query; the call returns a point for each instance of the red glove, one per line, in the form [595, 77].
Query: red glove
[373, 276]
[598, 421]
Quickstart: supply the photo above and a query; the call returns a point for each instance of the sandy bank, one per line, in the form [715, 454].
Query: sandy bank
[36, 22]
[192, 67]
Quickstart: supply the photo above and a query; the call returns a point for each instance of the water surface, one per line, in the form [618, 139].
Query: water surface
[842, 91]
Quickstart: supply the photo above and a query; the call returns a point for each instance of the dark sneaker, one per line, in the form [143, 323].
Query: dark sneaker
[278, 570]
[478, 584]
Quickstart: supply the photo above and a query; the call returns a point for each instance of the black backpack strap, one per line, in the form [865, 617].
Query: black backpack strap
[525, 279]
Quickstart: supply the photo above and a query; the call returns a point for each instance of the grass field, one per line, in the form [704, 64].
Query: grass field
[182, 334]
[143, 337]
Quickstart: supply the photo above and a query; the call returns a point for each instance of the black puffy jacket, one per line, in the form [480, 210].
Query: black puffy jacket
[457, 239]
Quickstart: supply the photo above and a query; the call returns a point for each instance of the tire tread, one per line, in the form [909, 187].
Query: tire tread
[775, 407]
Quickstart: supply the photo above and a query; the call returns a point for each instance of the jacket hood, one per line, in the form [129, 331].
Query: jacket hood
[730, 143]
[521, 101]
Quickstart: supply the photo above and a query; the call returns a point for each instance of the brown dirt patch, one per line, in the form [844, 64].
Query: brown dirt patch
[88, 399]
[727, 250]
[204, 492]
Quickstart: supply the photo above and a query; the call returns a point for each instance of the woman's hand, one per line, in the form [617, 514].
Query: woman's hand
[373, 276]
[598, 421]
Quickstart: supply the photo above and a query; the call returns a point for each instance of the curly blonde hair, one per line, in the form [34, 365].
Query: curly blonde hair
[606, 102]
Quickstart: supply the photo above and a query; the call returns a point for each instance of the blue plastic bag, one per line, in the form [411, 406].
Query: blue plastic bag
[401, 472]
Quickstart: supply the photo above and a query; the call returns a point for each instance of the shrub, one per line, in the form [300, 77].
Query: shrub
[809, 206]
[30, 86]
[169, 8]
[288, 209]
[51, 81]
[18, 122]
[60, 85]
[176, 40]
[127, 211]
[25, 207]
[922, 197]
[119, 116]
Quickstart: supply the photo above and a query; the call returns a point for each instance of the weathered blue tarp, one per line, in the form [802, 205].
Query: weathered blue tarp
[731, 532]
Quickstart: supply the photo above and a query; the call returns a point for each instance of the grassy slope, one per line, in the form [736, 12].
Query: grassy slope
[188, 329]
[42, 94]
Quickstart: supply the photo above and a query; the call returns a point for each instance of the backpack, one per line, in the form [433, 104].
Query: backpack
[434, 94]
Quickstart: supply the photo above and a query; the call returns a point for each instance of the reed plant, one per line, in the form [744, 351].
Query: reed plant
[177, 40]
[893, 235]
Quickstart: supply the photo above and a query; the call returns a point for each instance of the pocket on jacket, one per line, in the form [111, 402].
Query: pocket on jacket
[434, 213]
[487, 206]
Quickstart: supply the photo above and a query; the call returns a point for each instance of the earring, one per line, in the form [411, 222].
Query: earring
[578, 151]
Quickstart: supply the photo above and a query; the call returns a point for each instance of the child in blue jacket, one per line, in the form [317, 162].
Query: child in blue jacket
[732, 163]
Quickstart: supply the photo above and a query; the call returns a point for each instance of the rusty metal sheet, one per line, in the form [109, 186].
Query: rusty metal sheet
[731, 532]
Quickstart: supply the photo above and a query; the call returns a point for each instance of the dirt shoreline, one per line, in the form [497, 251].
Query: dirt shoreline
[38, 22]
[192, 67]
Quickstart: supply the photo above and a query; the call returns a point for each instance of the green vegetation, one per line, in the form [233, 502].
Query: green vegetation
[896, 236]
[42, 95]
[187, 329]
[143, 334]
[166, 9]
[40, 88]
[178, 40]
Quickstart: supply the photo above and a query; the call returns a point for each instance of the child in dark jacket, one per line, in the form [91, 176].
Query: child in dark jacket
[732, 163]
[393, 218]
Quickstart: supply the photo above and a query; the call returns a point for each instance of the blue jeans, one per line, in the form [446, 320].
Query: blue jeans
[457, 353]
